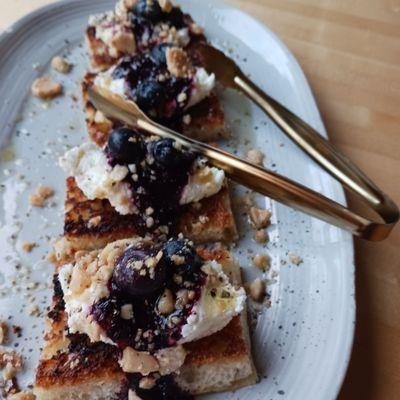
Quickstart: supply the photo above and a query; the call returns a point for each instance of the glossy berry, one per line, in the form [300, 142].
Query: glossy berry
[181, 248]
[158, 54]
[149, 9]
[127, 279]
[125, 146]
[166, 155]
[148, 94]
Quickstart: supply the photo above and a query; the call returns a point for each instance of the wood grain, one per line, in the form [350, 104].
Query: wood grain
[350, 52]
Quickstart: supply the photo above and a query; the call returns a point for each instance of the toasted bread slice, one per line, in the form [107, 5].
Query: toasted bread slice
[205, 121]
[91, 224]
[71, 368]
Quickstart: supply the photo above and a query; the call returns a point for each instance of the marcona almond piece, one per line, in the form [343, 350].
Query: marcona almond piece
[257, 290]
[3, 332]
[261, 236]
[124, 42]
[60, 64]
[295, 259]
[178, 62]
[22, 396]
[45, 88]
[165, 5]
[259, 217]
[133, 361]
[255, 156]
[42, 193]
[148, 382]
[262, 261]
[166, 303]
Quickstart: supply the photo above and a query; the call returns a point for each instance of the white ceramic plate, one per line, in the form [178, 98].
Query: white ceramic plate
[302, 342]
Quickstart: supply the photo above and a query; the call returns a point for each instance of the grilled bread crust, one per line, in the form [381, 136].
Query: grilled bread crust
[204, 121]
[73, 365]
[211, 221]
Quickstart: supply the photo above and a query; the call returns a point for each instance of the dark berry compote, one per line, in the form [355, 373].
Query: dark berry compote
[152, 25]
[158, 174]
[152, 293]
[148, 82]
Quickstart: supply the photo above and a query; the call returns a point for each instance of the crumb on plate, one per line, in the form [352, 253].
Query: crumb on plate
[45, 88]
[40, 196]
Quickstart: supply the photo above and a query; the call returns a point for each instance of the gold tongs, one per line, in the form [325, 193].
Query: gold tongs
[260, 179]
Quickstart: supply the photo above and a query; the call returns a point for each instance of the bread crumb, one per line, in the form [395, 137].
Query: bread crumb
[294, 259]
[33, 309]
[3, 332]
[40, 196]
[261, 236]
[28, 246]
[178, 62]
[148, 382]
[262, 261]
[22, 396]
[255, 156]
[257, 290]
[45, 88]
[60, 64]
[165, 5]
[259, 218]
[132, 395]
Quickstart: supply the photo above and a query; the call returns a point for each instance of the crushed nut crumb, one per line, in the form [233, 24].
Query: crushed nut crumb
[294, 259]
[255, 156]
[178, 62]
[262, 261]
[257, 290]
[261, 236]
[28, 246]
[60, 64]
[40, 196]
[166, 303]
[3, 332]
[45, 88]
[259, 218]
[22, 396]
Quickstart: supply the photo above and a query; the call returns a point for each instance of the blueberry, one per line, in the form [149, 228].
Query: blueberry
[166, 155]
[181, 248]
[175, 17]
[125, 146]
[148, 94]
[127, 279]
[158, 54]
[149, 9]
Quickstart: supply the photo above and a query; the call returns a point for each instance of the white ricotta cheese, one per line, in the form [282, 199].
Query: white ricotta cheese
[204, 182]
[204, 83]
[97, 179]
[218, 304]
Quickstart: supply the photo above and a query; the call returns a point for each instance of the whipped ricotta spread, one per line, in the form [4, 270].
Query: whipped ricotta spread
[220, 301]
[203, 84]
[86, 282]
[97, 179]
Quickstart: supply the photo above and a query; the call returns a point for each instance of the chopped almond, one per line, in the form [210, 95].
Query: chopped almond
[148, 382]
[257, 290]
[3, 332]
[255, 156]
[60, 64]
[262, 261]
[133, 396]
[41, 194]
[46, 88]
[166, 5]
[133, 361]
[28, 246]
[124, 42]
[178, 62]
[166, 303]
[295, 259]
[259, 218]
[261, 236]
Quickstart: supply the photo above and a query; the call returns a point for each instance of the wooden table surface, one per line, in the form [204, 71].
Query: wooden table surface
[350, 52]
